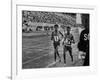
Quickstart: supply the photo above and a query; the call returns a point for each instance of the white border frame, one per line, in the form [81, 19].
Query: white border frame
[18, 73]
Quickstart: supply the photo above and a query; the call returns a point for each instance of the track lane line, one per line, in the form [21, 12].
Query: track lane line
[34, 59]
[52, 64]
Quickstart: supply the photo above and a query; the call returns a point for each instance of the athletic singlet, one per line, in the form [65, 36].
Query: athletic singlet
[68, 39]
[56, 36]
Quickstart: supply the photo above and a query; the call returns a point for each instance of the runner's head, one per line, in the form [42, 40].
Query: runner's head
[56, 27]
[68, 29]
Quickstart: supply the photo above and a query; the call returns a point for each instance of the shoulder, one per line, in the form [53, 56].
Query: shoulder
[85, 31]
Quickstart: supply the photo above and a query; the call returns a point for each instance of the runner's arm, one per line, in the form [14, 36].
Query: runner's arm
[52, 36]
[61, 34]
[72, 39]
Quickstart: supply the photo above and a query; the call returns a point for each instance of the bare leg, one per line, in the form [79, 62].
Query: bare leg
[70, 53]
[58, 54]
[64, 54]
[55, 54]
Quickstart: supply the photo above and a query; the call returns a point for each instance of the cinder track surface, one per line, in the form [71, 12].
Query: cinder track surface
[38, 52]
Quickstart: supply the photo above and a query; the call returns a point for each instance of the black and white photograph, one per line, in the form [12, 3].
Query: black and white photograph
[55, 39]
[50, 40]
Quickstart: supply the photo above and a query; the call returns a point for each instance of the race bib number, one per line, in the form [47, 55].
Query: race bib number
[67, 42]
[56, 38]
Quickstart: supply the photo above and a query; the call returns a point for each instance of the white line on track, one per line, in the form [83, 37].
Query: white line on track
[52, 64]
[34, 59]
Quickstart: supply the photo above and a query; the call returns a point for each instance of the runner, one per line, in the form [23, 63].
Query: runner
[68, 40]
[83, 45]
[56, 41]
